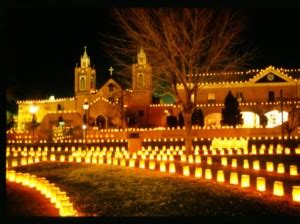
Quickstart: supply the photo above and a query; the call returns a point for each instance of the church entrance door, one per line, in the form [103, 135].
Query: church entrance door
[101, 122]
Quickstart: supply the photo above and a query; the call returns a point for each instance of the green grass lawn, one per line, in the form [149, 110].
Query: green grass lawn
[106, 190]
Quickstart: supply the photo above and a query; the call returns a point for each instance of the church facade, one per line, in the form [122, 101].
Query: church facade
[110, 106]
[269, 92]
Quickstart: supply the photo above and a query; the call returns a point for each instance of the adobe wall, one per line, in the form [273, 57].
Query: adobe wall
[256, 93]
[197, 133]
[71, 120]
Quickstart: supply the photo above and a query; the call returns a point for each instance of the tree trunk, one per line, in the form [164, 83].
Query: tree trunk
[188, 132]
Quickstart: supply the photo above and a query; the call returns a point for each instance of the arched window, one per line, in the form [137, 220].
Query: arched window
[61, 122]
[101, 122]
[58, 107]
[140, 80]
[82, 83]
[111, 87]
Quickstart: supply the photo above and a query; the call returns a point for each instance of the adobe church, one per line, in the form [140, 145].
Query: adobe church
[111, 106]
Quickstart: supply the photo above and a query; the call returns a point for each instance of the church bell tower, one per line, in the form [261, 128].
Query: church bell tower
[141, 73]
[142, 80]
[85, 76]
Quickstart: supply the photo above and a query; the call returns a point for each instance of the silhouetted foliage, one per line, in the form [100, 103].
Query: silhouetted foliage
[231, 114]
[197, 117]
[155, 100]
[293, 119]
[171, 121]
[180, 120]
[263, 120]
[132, 119]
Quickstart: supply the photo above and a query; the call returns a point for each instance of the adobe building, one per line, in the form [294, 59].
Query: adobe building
[108, 105]
[111, 106]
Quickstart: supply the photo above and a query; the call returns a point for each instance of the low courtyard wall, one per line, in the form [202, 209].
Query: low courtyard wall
[180, 133]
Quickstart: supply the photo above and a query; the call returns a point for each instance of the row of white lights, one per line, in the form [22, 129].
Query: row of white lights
[278, 186]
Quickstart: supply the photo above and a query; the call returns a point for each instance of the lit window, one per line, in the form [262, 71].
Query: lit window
[250, 119]
[275, 118]
[82, 83]
[211, 96]
[271, 95]
[239, 97]
[211, 121]
[140, 80]
[111, 87]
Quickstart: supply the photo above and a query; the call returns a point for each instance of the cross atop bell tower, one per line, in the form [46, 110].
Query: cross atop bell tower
[85, 60]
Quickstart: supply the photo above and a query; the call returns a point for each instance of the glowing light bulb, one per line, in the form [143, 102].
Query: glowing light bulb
[162, 167]
[280, 168]
[197, 159]
[245, 181]
[198, 172]
[152, 165]
[269, 166]
[234, 178]
[220, 176]
[278, 189]
[233, 163]
[94, 160]
[32, 181]
[62, 158]
[209, 160]
[11, 175]
[36, 159]
[256, 165]
[287, 151]
[123, 162]
[260, 184]
[131, 163]
[296, 193]
[183, 158]
[14, 163]
[208, 174]
[142, 164]
[24, 161]
[293, 170]
[224, 161]
[191, 159]
[172, 168]
[186, 171]
[115, 161]
[109, 160]
[101, 160]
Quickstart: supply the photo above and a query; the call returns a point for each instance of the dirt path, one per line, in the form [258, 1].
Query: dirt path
[25, 201]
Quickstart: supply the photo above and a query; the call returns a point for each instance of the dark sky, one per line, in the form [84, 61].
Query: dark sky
[45, 45]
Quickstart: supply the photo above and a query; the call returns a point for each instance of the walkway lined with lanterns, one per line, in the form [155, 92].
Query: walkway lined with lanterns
[270, 170]
[41, 186]
[34, 203]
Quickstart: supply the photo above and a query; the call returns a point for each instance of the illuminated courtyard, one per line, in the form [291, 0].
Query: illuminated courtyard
[173, 114]
[105, 180]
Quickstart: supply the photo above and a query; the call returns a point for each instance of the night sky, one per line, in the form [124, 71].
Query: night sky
[45, 44]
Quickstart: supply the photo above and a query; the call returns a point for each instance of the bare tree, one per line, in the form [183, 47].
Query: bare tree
[293, 119]
[180, 43]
